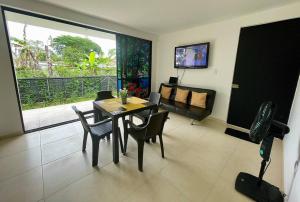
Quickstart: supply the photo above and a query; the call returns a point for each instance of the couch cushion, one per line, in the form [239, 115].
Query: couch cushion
[198, 99]
[165, 92]
[181, 95]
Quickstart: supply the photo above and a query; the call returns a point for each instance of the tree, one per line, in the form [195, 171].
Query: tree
[72, 56]
[112, 56]
[112, 53]
[74, 49]
[83, 45]
[48, 56]
[26, 52]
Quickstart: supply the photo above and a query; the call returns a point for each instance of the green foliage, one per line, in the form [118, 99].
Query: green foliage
[25, 72]
[112, 53]
[123, 93]
[83, 45]
[63, 71]
[42, 92]
[68, 69]
[94, 64]
[72, 56]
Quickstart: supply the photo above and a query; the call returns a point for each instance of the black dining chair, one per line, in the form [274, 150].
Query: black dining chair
[144, 115]
[97, 131]
[141, 133]
[101, 95]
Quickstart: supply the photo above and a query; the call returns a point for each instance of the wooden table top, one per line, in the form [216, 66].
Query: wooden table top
[114, 106]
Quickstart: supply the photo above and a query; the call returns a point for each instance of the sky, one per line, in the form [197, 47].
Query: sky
[15, 29]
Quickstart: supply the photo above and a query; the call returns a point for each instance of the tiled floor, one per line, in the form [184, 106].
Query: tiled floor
[201, 164]
[40, 117]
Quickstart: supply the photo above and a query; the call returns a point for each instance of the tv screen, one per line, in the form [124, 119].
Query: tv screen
[192, 56]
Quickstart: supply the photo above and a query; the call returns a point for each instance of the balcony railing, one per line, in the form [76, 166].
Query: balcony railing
[47, 90]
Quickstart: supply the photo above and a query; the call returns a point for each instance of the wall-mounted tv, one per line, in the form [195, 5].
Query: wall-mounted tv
[193, 56]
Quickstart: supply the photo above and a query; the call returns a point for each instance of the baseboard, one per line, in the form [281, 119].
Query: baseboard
[245, 130]
[220, 121]
[209, 118]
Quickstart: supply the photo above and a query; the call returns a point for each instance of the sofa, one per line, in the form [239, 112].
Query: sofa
[186, 109]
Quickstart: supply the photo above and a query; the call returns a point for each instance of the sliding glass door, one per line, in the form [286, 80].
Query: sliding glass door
[58, 65]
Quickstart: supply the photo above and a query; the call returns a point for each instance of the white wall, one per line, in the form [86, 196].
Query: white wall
[224, 37]
[10, 122]
[291, 150]
[224, 41]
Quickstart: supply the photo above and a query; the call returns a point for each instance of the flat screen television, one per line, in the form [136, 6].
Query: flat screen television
[193, 56]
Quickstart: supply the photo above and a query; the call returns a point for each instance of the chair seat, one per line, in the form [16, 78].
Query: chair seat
[143, 114]
[102, 130]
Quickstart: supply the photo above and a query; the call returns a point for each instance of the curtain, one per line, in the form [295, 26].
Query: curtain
[134, 65]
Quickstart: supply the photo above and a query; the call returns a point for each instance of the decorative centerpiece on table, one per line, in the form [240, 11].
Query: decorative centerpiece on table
[123, 95]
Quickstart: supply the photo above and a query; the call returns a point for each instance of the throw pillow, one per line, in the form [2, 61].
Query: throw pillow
[181, 95]
[199, 99]
[165, 92]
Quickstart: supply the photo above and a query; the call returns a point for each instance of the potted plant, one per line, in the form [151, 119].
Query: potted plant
[123, 94]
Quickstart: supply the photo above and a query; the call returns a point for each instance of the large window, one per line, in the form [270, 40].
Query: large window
[58, 65]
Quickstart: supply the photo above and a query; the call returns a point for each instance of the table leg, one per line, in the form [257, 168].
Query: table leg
[115, 140]
[96, 115]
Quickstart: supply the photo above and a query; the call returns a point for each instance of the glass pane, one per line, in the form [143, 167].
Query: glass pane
[58, 65]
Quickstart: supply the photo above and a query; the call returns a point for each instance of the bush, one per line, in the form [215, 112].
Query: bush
[26, 72]
[42, 92]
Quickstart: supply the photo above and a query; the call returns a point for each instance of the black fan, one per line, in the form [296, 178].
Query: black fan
[262, 122]
[263, 129]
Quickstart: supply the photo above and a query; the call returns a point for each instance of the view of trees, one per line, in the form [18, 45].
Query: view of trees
[62, 70]
[62, 56]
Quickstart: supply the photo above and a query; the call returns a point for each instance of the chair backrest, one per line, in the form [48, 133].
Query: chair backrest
[82, 119]
[101, 95]
[156, 123]
[155, 97]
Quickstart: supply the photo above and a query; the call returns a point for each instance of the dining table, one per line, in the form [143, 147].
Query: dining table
[114, 109]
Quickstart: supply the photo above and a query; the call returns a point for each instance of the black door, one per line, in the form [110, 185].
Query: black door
[267, 68]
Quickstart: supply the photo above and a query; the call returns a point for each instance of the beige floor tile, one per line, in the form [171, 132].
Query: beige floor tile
[152, 159]
[224, 191]
[217, 141]
[13, 145]
[59, 149]
[88, 189]
[237, 164]
[27, 187]
[174, 142]
[201, 164]
[110, 183]
[193, 180]
[61, 173]
[246, 158]
[19, 163]
[157, 189]
[105, 155]
[58, 133]
[124, 177]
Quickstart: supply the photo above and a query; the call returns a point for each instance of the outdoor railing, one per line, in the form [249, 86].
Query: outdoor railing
[62, 90]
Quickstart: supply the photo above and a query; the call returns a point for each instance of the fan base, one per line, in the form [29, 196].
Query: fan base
[248, 185]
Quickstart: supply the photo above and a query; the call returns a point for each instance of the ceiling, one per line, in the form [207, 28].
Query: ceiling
[161, 16]
[49, 24]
